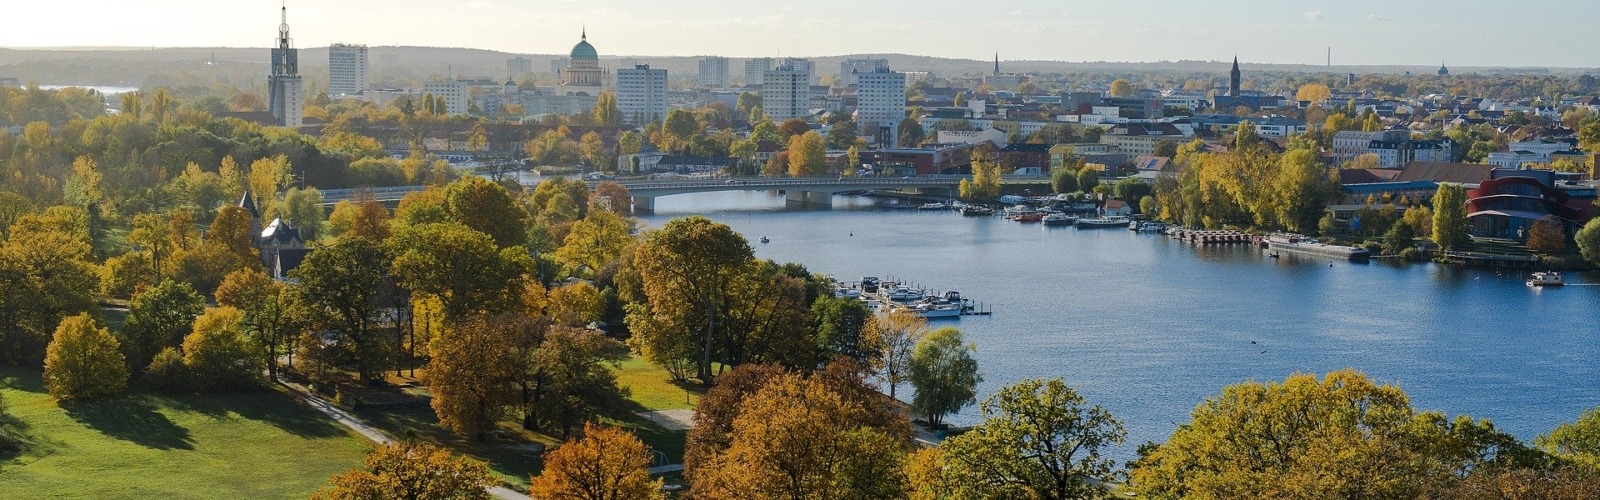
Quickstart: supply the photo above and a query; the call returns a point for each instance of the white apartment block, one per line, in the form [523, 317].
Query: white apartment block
[800, 65]
[642, 94]
[756, 69]
[519, 66]
[454, 93]
[849, 68]
[786, 93]
[880, 103]
[714, 72]
[558, 64]
[347, 69]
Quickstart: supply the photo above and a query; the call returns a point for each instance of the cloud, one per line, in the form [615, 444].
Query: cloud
[1314, 15]
[1375, 17]
[480, 5]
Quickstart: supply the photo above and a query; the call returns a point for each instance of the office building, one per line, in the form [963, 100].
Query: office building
[642, 94]
[347, 69]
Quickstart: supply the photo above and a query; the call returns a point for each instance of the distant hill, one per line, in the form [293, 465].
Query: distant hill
[247, 67]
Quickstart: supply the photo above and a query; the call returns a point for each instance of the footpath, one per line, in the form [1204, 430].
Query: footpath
[346, 419]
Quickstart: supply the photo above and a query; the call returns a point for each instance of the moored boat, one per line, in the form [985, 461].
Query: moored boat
[976, 211]
[934, 206]
[1058, 219]
[1103, 222]
[1546, 278]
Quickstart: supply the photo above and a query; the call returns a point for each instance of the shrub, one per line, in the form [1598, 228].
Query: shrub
[167, 372]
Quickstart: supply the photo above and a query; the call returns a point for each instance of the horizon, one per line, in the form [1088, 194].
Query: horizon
[1359, 33]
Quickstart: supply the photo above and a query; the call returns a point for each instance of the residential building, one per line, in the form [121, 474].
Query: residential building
[285, 89]
[850, 67]
[454, 93]
[1141, 138]
[1394, 154]
[755, 70]
[785, 92]
[800, 65]
[519, 66]
[558, 64]
[713, 72]
[880, 104]
[642, 94]
[347, 69]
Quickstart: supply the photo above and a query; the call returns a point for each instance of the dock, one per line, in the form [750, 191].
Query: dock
[1200, 237]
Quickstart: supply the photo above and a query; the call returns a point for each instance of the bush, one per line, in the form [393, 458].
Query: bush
[167, 372]
[1411, 254]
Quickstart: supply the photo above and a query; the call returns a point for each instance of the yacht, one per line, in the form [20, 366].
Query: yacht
[934, 206]
[1058, 219]
[1546, 278]
[976, 211]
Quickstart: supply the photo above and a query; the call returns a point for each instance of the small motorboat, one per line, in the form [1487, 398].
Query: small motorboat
[934, 206]
[1546, 278]
[765, 240]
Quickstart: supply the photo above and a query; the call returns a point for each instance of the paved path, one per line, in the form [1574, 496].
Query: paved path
[346, 419]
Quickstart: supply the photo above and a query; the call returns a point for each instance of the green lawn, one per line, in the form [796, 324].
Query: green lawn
[142, 445]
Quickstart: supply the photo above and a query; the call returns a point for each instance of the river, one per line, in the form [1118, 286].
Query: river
[1148, 327]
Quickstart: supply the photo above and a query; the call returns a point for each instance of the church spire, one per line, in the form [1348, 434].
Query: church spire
[585, 35]
[1233, 77]
[997, 62]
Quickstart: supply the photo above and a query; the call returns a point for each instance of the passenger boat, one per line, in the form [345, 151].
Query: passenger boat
[1546, 278]
[1103, 222]
[1057, 219]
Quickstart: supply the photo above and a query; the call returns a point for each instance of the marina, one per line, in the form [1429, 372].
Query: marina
[889, 295]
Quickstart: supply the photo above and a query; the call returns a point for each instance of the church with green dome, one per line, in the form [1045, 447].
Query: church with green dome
[583, 68]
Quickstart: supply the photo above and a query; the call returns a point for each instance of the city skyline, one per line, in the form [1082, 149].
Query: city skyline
[1360, 32]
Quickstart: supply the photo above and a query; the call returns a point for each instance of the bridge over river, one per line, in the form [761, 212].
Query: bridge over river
[800, 190]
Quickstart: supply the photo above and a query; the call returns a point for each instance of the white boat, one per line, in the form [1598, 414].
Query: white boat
[931, 311]
[1058, 219]
[1546, 278]
[934, 206]
[902, 294]
[846, 292]
[1103, 222]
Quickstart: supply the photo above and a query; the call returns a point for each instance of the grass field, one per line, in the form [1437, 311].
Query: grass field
[140, 445]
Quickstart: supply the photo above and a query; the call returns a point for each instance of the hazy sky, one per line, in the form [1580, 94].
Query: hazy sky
[1457, 32]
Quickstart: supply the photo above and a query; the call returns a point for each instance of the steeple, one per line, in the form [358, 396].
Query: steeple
[997, 62]
[585, 35]
[1233, 78]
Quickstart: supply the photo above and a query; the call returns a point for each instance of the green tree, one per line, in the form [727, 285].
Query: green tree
[1038, 439]
[83, 361]
[945, 375]
[842, 135]
[1343, 436]
[679, 125]
[911, 133]
[1064, 180]
[840, 324]
[1450, 216]
[576, 378]
[1087, 179]
[1578, 440]
[486, 206]
[411, 470]
[1588, 240]
[684, 270]
[218, 353]
[1399, 237]
[303, 208]
[271, 320]
[594, 242]
[159, 318]
[339, 284]
[459, 266]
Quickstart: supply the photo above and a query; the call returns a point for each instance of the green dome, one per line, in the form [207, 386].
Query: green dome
[584, 52]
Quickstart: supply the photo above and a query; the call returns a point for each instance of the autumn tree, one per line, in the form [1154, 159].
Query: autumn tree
[470, 374]
[1547, 235]
[1315, 93]
[267, 177]
[460, 266]
[577, 304]
[945, 375]
[1121, 88]
[271, 321]
[411, 470]
[365, 219]
[231, 231]
[594, 242]
[790, 128]
[1450, 216]
[807, 155]
[573, 373]
[45, 276]
[486, 207]
[1302, 190]
[158, 318]
[606, 112]
[339, 284]
[684, 270]
[83, 361]
[896, 335]
[613, 197]
[1578, 441]
[1342, 436]
[218, 353]
[607, 463]
[125, 275]
[1038, 439]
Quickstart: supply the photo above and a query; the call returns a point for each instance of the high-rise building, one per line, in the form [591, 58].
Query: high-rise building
[347, 69]
[801, 65]
[880, 104]
[642, 94]
[556, 65]
[786, 92]
[519, 66]
[454, 93]
[850, 67]
[285, 95]
[713, 72]
[755, 69]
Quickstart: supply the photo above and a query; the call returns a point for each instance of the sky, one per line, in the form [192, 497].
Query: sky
[1360, 32]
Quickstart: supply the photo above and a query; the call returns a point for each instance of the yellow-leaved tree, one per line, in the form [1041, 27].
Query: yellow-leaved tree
[83, 360]
[607, 463]
[411, 470]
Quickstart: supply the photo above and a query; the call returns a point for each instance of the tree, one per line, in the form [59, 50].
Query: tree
[842, 135]
[459, 266]
[470, 374]
[795, 438]
[574, 378]
[1246, 137]
[45, 276]
[1588, 240]
[1088, 178]
[597, 240]
[576, 305]
[613, 197]
[339, 283]
[366, 219]
[1302, 190]
[910, 132]
[271, 320]
[679, 125]
[606, 112]
[303, 208]
[840, 325]
[1314, 93]
[1578, 441]
[1064, 180]
[607, 463]
[218, 353]
[267, 177]
[1038, 439]
[896, 335]
[1121, 88]
[790, 128]
[158, 318]
[1343, 436]
[486, 206]
[945, 375]
[684, 270]
[807, 155]
[83, 361]
[128, 274]
[1450, 216]
[414, 471]
[715, 411]
[1547, 235]
[595, 151]
[1399, 237]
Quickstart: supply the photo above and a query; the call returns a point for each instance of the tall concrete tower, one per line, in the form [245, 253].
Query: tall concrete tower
[286, 91]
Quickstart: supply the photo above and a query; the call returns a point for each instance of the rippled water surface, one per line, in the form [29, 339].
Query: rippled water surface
[1148, 326]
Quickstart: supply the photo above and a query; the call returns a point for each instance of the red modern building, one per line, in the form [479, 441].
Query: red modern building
[1511, 200]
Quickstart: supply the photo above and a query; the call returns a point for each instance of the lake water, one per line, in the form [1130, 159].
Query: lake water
[109, 90]
[1147, 326]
